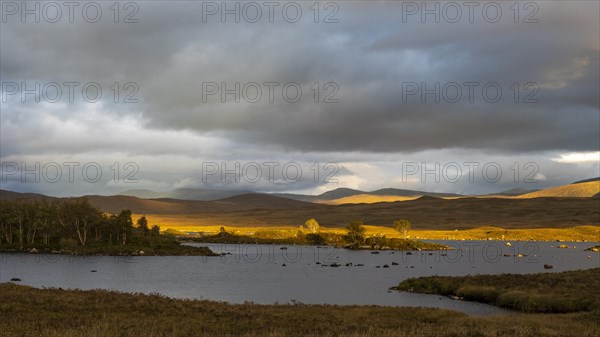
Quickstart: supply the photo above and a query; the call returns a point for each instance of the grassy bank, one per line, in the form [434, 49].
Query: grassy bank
[28, 311]
[155, 245]
[576, 234]
[199, 224]
[564, 292]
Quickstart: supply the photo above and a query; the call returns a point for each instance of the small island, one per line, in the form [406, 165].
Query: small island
[311, 235]
[75, 227]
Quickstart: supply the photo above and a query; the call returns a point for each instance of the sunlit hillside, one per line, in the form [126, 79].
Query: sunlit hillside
[580, 190]
[577, 190]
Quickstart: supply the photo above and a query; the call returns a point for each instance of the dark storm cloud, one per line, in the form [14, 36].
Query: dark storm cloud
[370, 53]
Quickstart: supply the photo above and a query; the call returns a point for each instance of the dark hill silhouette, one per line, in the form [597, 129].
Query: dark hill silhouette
[587, 180]
[514, 192]
[410, 193]
[265, 201]
[10, 195]
[184, 194]
[117, 203]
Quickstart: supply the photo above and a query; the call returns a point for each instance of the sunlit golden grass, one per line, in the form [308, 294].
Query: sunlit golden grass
[580, 190]
[27, 311]
[188, 223]
[578, 233]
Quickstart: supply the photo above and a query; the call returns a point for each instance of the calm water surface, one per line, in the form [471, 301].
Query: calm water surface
[256, 273]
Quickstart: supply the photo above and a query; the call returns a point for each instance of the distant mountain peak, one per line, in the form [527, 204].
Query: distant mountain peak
[340, 192]
[143, 193]
[410, 193]
[515, 191]
[183, 193]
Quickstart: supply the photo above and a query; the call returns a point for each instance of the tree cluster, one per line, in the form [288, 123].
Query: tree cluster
[356, 232]
[26, 222]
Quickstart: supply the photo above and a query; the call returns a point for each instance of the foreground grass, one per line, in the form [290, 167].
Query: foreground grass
[27, 311]
[570, 291]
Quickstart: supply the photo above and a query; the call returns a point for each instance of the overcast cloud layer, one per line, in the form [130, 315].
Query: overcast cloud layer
[373, 133]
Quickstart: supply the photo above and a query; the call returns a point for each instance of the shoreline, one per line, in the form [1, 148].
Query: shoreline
[206, 251]
[181, 250]
[286, 234]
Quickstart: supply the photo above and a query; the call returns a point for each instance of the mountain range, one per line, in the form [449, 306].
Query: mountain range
[328, 197]
[569, 205]
[345, 203]
[338, 196]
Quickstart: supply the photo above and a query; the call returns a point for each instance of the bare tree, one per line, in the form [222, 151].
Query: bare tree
[402, 226]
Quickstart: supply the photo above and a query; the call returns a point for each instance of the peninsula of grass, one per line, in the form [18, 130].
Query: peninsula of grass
[321, 239]
[35, 312]
[565, 292]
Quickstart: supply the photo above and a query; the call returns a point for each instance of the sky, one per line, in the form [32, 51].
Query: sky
[298, 96]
